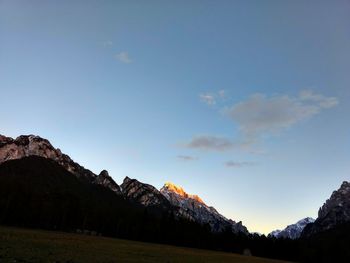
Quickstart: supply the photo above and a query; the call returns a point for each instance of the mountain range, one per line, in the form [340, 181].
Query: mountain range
[41, 187]
[170, 197]
[335, 211]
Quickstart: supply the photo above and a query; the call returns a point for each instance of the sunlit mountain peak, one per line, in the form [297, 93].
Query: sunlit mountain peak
[180, 191]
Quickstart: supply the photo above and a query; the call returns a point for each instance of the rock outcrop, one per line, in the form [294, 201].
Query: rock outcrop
[142, 193]
[105, 180]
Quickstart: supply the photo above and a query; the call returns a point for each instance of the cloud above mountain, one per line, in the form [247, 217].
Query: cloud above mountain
[260, 115]
[207, 142]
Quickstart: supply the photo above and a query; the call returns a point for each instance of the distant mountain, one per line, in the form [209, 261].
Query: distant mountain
[274, 233]
[30, 145]
[334, 212]
[199, 211]
[292, 231]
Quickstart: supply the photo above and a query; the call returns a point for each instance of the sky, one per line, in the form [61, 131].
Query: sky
[245, 103]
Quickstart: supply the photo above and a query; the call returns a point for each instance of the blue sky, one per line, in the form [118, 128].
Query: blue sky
[244, 103]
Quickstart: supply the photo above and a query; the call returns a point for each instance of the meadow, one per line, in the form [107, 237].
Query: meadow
[27, 245]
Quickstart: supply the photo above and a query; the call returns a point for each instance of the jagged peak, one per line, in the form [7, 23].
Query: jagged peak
[344, 188]
[180, 191]
[5, 140]
[306, 219]
[3, 137]
[345, 185]
[127, 179]
[30, 136]
[24, 140]
[104, 173]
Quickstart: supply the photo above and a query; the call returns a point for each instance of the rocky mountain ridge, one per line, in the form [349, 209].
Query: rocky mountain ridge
[197, 209]
[142, 193]
[335, 211]
[170, 197]
[31, 145]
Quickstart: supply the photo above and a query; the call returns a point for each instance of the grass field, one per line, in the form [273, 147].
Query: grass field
[24, 245]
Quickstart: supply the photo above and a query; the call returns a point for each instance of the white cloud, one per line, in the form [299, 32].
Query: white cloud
[123, 57]
[323, 102]
[207, 98]
[204, 142]
[262, 115]
[212, 98]
[220, 144]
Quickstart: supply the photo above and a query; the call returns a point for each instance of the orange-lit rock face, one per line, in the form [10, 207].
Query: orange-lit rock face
[180, 191]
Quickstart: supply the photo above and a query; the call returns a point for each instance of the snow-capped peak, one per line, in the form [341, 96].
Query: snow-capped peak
[292, 231]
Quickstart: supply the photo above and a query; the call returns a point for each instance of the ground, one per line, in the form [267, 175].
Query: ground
[25, 245]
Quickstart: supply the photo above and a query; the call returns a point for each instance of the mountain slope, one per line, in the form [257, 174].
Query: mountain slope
[335, 211]
[293, 231]
[38, 192]
[199, 211]
[30, 145]
[142, 193]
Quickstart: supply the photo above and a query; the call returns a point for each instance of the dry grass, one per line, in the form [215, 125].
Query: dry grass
[23, 245]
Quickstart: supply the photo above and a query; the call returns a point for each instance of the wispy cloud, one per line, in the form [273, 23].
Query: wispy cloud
[207, 98]
[207, 142]
[186, 158]
[238, 164]
[323, 101]
[220, 144]
[210, 98]
[123, 57]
